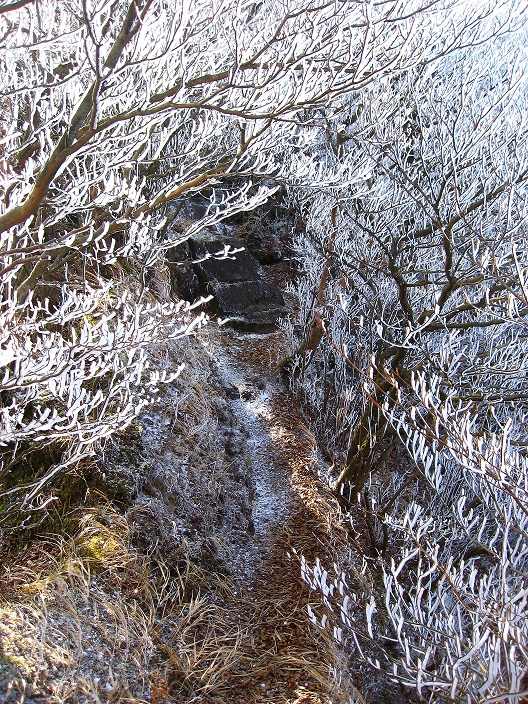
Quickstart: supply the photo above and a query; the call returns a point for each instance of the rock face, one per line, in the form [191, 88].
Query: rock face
[215, 266]
[236, 282]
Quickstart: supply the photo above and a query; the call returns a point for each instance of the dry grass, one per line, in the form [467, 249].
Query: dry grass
[105, 617]
[88, 620]
[83, 610]
[200, 650]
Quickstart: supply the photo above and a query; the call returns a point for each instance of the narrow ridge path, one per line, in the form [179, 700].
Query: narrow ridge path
[282, 658]
[250, 397]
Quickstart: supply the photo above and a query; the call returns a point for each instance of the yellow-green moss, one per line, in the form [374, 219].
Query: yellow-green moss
[100, 547]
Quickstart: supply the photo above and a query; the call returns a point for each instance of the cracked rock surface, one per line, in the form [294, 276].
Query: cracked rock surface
[238, 283]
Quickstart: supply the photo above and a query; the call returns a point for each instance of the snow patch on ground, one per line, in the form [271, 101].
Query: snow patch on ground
[272, 497]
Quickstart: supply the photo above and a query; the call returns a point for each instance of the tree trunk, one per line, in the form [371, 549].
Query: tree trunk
[314, 331]
[358, 466]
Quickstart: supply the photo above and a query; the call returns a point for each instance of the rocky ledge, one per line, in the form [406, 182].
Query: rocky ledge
[229, 272]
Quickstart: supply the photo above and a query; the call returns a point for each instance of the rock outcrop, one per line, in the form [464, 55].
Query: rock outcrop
[237, 282]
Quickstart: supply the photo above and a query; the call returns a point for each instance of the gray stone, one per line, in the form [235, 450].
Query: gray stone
[245, 297]
[232, 392]
[265, 256]
[241, 266]
[189, 286]
[236, 281]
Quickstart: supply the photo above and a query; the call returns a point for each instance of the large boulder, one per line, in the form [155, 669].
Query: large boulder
[236, 280]
[254, 306]
[214, 264]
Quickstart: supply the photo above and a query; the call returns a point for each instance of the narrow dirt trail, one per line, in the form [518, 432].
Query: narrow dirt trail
[281, 658]
[250, 395]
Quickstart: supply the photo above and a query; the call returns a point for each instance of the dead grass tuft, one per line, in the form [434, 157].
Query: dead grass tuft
[82, 611]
